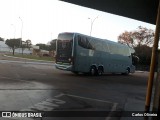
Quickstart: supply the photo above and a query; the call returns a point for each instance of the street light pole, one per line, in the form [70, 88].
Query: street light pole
[14, 30]
[92, 21]
[21, 31]
[21, 34]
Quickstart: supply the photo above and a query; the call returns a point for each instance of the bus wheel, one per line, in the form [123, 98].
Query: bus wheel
[100, 71]
[127, 71]
[93, 70]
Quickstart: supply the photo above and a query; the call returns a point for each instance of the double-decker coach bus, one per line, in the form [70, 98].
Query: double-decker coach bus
[76, 52]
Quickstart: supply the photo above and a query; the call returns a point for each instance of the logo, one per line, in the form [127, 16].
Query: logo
[6, 114]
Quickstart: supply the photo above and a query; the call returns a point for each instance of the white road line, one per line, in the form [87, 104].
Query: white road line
[113, 107]
[60, 95]
[46, 105]
[88, 98]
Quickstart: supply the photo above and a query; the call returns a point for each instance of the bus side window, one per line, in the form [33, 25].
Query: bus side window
[80, 42]
[84, 42]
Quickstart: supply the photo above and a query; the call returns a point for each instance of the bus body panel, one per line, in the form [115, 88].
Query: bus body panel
[87, 51]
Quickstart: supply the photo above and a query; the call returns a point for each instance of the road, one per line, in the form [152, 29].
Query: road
[27, 85]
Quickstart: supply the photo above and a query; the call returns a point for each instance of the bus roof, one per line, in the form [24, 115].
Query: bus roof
[105, 40]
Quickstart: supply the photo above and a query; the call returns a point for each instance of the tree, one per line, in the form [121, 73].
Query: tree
[141, 36]
[126, 38]
[43, 46]
[141, 40]
[26, 44]
[13, 43]
[53, 45]
[1, 39]
[144, 53]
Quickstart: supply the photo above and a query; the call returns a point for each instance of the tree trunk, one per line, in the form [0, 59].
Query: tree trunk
[13, 50]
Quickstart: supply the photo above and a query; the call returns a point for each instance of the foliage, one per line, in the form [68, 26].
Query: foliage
[53, 45]
[126, 38]
[50, 47]
[13, 43]
[144, 53]
[1, 39]
[141, 36]
[43, 46]
[26, 44]
[141, 40]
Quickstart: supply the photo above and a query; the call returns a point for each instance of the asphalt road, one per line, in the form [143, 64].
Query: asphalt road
[27, 85]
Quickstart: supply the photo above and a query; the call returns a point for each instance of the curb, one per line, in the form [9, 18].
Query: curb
[30, 59]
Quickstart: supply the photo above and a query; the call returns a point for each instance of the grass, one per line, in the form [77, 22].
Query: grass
[33, 57]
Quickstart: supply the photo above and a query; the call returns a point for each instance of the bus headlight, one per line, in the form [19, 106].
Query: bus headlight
[69, 59]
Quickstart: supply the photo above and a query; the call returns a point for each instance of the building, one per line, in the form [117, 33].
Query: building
[6, 49]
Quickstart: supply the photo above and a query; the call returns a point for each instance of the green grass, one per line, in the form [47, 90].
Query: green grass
[33, 57]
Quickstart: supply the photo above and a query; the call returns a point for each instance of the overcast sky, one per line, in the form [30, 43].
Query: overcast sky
[42, 20]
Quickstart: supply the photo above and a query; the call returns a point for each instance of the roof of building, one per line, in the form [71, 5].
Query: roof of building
[143, 10]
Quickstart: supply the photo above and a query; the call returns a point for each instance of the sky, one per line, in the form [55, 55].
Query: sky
[42, 20]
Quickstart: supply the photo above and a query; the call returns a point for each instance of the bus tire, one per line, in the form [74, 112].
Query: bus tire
[100, 71]
[93, 70]
[127, 71]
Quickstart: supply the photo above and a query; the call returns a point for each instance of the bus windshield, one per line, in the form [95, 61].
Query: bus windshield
[64, 48]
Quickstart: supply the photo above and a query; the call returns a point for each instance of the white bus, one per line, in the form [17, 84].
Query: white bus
[76, 52]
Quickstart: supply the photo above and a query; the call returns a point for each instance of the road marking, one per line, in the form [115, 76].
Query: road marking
[114, 108]
[52, 103]
[60, 95]
[98, 100]
[46, 105]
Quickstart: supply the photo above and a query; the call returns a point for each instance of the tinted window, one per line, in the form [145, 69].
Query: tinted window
[84, 42]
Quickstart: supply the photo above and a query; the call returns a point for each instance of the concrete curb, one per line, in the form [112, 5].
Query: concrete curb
[30, 59]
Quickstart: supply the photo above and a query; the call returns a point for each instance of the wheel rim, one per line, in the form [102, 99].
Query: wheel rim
[127, 71]
[99, 72]
[92, 71]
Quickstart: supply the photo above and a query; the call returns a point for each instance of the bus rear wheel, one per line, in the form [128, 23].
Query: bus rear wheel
[93, 70]
[100, 71]
[127, 71]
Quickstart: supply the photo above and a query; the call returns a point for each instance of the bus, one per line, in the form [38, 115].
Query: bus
[80, 53]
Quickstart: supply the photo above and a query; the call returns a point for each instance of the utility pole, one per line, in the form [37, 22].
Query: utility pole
[21, 34]
[92, 21]
[14, 29]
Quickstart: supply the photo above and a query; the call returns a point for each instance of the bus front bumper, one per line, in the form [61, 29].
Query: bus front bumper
[64, 67]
